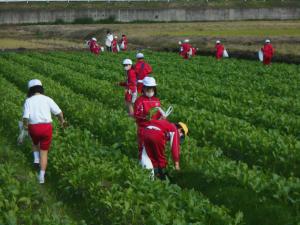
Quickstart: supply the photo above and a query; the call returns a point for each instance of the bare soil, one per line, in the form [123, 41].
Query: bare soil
[241, 38]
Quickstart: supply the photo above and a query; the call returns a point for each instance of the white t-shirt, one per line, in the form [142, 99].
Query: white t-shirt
[109, 39]
[38, 109]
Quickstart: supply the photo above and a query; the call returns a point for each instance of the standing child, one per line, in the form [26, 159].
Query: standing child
[130, 85]
[219, 49]
[37, 120]
[142, 69]
[124, 43]
[268, 52]
[114, 45]
[142, 107]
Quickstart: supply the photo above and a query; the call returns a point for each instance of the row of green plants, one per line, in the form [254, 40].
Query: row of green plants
[109, 186]
[245, 76]
[21, 199]
[257, 115]
[237, 138]
[192, 156]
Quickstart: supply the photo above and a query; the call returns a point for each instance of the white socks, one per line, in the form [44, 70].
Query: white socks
[36, 156]
[42, 176]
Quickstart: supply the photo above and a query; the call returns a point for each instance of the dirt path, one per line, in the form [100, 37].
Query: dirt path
[238, 36]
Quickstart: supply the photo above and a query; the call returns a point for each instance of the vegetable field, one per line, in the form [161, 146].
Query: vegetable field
[239, 165]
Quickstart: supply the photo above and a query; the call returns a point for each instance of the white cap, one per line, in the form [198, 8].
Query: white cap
[139, 55]
[268, 41]
[34, 82]
[94, 39]
[116, 36]
[149, 82]
[218, 42]
[179, 42]
[186, 40]
[127, 62]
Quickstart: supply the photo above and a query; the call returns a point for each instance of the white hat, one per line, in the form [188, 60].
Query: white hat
[139, 55]
[34, 82]
[149, 82]
[94, 39]
[218, 42]
[116, 36]
[127, 62]
[186, 40]
[179, 42]
[268, 41]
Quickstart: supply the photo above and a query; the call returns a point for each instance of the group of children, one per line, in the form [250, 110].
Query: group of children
[153, 128]
[112, 43]
[187, 51]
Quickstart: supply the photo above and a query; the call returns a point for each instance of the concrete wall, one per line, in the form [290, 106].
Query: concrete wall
[127, 15]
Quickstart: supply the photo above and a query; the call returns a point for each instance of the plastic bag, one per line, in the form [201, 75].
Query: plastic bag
[122, 45]
[225, 54]
[23, 133]
[146, 162]
[190, 53]
[260, 55]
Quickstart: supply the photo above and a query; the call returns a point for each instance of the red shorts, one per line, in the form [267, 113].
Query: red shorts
[41, 134]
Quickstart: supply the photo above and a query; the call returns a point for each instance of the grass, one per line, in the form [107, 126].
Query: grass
[12, 43]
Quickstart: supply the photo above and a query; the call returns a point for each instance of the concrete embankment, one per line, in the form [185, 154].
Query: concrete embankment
[19, 16]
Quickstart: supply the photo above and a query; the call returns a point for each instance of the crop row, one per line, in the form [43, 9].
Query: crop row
[237, 138]
[191, 96]
[196, 153]
[244, 76]
[112, 188]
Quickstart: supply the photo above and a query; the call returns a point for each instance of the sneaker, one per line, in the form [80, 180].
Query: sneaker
[41, 179]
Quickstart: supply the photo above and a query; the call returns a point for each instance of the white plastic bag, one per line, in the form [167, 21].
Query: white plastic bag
[225, 54]
[134, 97]
[86, 45]
[102, 49]
[118, 48]
[122, 45]
[23, 133]
[190, 53]
[260, 55]
[146, 162]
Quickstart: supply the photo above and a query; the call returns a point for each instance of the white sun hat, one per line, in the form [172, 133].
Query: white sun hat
[34, 82]
[127, 62]
[139, 55]
[149, 82]
[218, 42]
[267, 41]
[186, 40]
[94, 39]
